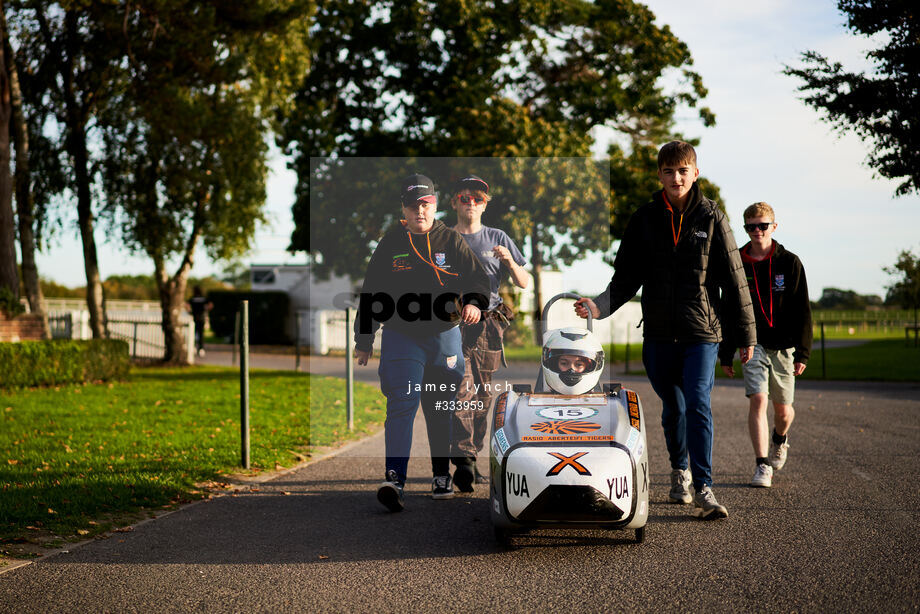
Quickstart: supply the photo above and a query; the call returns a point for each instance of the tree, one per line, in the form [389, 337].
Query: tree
[24, 205]
[185, 140]
[477, 79]
[879, 106]
[906, 290]
[69, 68]
[9, 274]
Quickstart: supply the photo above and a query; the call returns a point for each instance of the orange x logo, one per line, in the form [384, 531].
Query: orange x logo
[568, 461]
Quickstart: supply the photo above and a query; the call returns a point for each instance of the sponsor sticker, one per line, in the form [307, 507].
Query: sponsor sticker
[632, 402]
[566, 413]
[558, 399]
[568, 438]
[501, 440]
[496, 506]
[500, 410]
[565, 427]
[632, 439]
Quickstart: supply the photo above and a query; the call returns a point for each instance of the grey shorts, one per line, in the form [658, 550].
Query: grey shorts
[771, 372]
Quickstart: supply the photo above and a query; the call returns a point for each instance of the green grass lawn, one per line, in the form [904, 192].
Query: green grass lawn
[612, 353]
[888, 360]
[77, 460]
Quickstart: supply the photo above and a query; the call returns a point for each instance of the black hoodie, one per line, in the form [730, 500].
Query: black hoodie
[781, 308]
[688, 268]
[433, 265]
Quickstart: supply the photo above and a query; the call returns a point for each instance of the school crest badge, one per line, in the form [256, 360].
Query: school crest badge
[779, 282]
[451, 360]
[440, 258]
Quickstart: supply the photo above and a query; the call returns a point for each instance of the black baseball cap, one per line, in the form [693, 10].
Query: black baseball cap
[471, 182]
[417, 187]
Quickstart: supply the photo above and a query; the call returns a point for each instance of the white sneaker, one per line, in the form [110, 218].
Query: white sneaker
[705, 506]
[763, 477]
[778, 454]
[680, 486]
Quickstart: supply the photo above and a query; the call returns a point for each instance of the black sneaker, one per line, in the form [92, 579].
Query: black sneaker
[464, 476]
[390, 493]
[441, 487]
[480, 479]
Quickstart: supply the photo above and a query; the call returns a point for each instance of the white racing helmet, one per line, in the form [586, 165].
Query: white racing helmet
[572, 341]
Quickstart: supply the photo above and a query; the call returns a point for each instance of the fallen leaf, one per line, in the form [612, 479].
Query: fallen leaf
[82, 532]
[323, 556]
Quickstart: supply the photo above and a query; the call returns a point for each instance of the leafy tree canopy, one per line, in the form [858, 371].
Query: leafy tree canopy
[881, 105]
[473, 78]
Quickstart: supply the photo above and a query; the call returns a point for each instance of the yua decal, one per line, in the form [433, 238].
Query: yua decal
[517, 485]
[568, 461]
[619, 486]
[565, 427]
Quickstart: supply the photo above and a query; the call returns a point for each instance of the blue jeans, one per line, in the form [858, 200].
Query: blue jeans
[408, 366]
[682, 375]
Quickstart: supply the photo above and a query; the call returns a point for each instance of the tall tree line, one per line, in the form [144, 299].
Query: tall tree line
[150, 118]
[534, 80]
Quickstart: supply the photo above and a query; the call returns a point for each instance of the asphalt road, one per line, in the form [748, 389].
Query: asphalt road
[837, 532]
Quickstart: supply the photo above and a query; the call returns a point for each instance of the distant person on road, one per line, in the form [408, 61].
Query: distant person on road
[482, 342]
[680, 251]
[431, 280]
[776, 280]
[199, 306]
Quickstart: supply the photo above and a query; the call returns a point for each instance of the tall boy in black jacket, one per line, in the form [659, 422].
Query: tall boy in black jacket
[779, 292]
[680, 250]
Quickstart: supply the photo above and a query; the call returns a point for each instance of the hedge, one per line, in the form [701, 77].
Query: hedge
[268, 314]
[62, 361]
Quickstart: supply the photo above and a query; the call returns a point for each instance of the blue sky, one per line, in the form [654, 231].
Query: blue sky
[844, 224]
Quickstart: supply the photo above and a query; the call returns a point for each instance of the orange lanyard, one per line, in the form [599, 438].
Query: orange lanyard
[429, 261]
[768, 318]
[680, 223]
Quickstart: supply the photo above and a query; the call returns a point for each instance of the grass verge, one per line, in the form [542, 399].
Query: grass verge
[79, 460]
[614, 353]
[883, 360]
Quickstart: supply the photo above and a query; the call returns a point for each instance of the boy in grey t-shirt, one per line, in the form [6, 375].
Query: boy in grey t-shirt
[482, 342]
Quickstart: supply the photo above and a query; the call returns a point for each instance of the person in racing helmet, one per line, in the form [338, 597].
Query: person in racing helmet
[573, 361]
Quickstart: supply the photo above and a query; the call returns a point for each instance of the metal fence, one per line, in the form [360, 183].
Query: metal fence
[143, 330]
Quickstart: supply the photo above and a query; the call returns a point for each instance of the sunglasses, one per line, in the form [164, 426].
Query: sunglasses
[762, 226]
[476, 200]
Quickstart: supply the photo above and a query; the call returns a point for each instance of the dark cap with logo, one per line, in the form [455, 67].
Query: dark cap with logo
[417, 187]
[471, 182]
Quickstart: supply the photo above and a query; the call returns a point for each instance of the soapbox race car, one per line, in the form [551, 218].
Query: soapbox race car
[571, 453]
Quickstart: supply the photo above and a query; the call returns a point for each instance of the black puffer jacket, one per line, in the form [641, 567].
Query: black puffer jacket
[681, 283]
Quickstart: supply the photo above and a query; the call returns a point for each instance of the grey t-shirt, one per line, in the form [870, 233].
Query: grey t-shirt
[482, 243]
